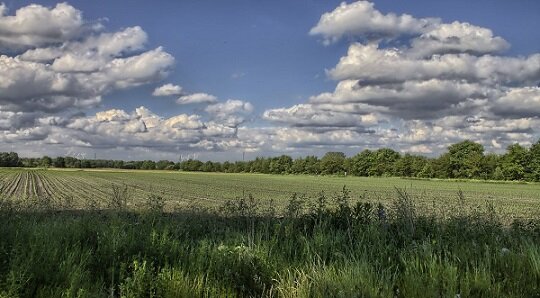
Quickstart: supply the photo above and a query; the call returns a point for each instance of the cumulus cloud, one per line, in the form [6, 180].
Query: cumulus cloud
[35, 25]
[59, 62]
[229, 107]
[167, 90]
[413, 84]
[143, 128]
[519, 102]
[196, 98]
[371, 65]
[361, 19]
[458, 37]
[233, 112]
[444, 83]
[410, 99]
[321, 116]
[56, 64]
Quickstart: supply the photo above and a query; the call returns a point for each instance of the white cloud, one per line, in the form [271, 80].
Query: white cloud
[361, 19]
[372, 65]
[309, 115]
[167, 90]
[413, 84]
[36, 25]
[231, 113]
[196, 98]
[112, 115]
[519, 102]
[230, 107]
[457, 37]
[143, 129]
[444, 83]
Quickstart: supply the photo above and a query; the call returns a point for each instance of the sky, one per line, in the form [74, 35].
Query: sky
[216, 79]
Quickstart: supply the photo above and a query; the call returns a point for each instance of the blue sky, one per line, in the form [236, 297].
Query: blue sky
[261, 52]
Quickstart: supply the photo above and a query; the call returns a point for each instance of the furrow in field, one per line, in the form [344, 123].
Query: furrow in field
[70, 190]
[57, 190]
[22, 189]
[82, 188]
[4, 179]
[78, 189]
[98, 189]
[34, 191]
[139, 188]
[14, 184]
[42, 185]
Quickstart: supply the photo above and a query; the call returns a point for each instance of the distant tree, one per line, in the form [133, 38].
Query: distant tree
[46, 161]
[299, 166]
[118, 164]
[498, 174]
[427, 171]
[534, 164]
[514, 162]
[148, 165]
[384, 162]
[465, 159]
[333, 163]
[362, 163]
[409, 165]
[281, 164]
[312, 165]
[208, 167]
[163, 164]
[240, 167]
[489, 165]
[59, 162]
[10, 159]
[192, 165]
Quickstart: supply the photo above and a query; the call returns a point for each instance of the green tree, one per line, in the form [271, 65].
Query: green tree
[333, 163]
[534, 164]
[384, 162]
[281, 164]
[362, 162]
[490, 164]
[465, 159]
[10, 159]
[514, 162]
[409, 165]
[498, 174]
[313, 165]
[148, 165]
[46, 161]
[163, 164]
[427, 171]
[59, 162]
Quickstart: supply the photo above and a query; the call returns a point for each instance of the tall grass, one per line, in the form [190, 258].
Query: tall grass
[320, 247]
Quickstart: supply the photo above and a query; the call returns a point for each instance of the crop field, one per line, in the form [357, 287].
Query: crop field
[184, 189]
[417, 243]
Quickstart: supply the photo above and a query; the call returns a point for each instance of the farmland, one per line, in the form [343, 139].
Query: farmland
[185, 189]
[117, 233]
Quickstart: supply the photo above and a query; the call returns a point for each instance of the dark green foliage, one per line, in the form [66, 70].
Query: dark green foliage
[333, 163]
[465, 160]
[10, 159]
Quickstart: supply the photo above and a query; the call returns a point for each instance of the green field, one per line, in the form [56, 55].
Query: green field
[184, 189]
[105, 233]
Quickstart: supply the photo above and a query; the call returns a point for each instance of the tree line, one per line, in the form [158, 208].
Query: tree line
[464, 160]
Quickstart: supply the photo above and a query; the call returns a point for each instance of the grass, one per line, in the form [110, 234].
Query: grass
[332, 248]
[103, 233]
